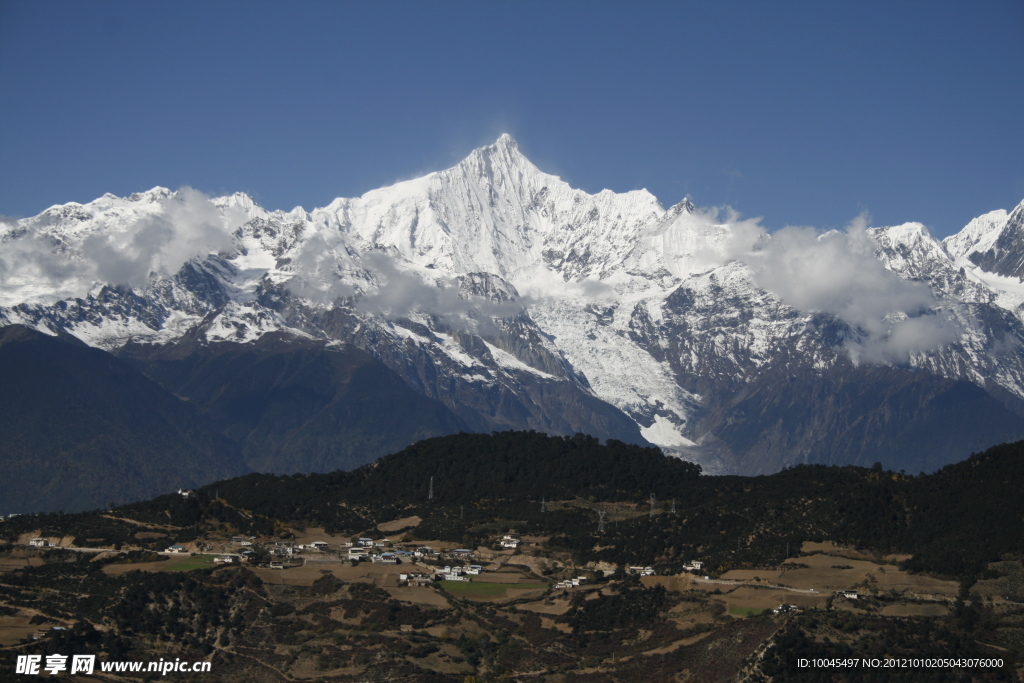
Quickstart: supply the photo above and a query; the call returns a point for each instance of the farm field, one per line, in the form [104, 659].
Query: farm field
[911, 610]
[12, 563]
[474, 591]
[15, 627]
[180, 563]
[827, 573]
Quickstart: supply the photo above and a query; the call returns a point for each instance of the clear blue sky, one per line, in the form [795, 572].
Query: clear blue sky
[806, 113]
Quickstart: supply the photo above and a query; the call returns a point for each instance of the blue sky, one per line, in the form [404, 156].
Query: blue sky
[804, 113]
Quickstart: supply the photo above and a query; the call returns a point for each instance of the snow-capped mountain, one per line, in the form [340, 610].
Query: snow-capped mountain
[518, 301]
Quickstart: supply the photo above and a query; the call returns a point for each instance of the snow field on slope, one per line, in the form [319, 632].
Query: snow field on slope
[619, 371]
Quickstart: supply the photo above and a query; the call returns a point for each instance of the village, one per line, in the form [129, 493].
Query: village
[345, 600]
[512, 567]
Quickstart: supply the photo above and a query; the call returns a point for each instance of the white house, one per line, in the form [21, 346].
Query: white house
[39, 543]
[415, 579]
[510, 542]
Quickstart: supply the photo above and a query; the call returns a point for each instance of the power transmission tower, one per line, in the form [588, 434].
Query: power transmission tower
[673, 506]
[600, 523]
[652, 506]
[430, 493]
[543, 505]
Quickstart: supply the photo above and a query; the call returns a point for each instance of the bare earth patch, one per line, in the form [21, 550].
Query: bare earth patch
[548, 622]
[546, 607]
[418, 595]
[677, 582]
[933, 610]
[399, 524]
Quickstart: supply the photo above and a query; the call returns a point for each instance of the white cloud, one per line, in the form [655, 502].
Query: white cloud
[188, 226]
[316, 276]
[400, 293]
[838, 273]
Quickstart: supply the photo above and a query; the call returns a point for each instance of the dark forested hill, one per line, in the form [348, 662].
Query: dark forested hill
[295, 404]
[953, 522]
[907, 419]
[80, 428]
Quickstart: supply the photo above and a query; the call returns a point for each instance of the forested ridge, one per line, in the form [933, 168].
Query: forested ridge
[954, 522]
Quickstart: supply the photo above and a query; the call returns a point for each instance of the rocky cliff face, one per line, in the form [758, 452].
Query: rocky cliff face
[516, 301]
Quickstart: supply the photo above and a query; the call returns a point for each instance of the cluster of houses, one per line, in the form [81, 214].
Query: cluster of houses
[449, 573]
[570, 583]
[641, 571]
[40, 543]
[382, 552]
[782, 609]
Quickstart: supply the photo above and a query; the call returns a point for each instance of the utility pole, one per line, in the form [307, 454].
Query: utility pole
[652, 506]
[543, 505]
[673, 506]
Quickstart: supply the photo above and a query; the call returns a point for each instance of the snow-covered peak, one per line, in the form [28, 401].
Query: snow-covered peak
[156, 194]
[993, 247]
[911, 241]
[496, 212]
[978, 235]
[242, 201]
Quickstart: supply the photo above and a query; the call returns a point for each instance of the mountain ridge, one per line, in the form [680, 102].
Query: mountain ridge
[506, 295]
